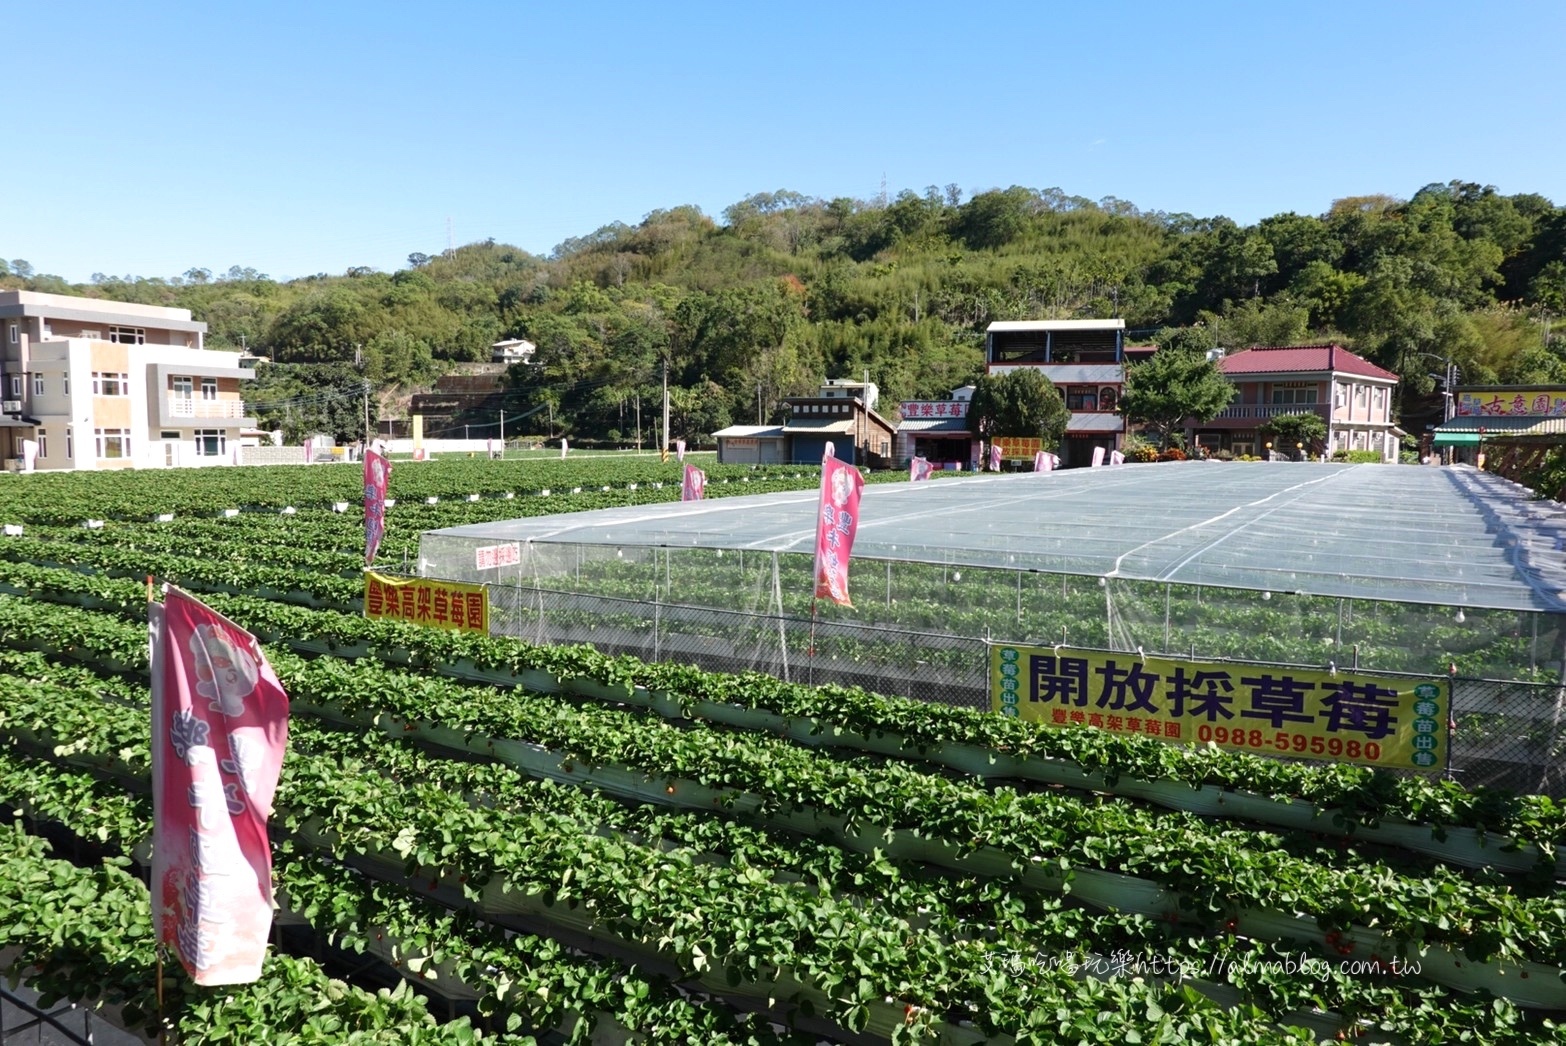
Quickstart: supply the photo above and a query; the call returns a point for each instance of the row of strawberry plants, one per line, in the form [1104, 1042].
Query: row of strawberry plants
[1178, 852]
[1384, 1005]
[135, 494]
[86, 933]
[760, 929]
[1357, 795]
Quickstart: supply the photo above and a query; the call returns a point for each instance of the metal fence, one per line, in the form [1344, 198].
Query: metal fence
[1505, 734]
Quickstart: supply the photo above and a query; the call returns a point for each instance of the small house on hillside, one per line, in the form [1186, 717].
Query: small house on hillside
[842, 412]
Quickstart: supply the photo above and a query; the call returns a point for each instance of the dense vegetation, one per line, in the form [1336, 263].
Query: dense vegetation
[787, 289]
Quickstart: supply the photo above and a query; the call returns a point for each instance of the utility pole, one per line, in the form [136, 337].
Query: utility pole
[502, 430]
[664, 446]
[638, 420]
[367, 433]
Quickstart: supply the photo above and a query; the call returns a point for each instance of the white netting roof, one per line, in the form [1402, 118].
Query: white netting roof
[1401, 533]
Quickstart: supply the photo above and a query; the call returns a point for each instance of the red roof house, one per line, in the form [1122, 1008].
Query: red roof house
[1351, 394]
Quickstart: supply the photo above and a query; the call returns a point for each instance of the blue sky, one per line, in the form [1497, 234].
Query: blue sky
[303, 137]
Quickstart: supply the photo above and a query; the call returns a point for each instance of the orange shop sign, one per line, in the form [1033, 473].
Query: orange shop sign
[427, 601]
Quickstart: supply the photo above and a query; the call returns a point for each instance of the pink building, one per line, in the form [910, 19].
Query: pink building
[1351, 394]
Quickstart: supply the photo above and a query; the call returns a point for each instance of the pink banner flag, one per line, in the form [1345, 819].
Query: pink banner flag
[694, 488]
[995, 458]
[918, 469]
[219, 728]
[1041, 462]
[837, 522]
[309, 451]
[679, 450]
[563, 449]
[1116, 458]
[377, 470]
[1098, 456]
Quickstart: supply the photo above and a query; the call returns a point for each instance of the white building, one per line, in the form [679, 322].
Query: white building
[103, 384]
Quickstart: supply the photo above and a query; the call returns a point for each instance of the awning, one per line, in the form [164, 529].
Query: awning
[1491, 427]
[1455, 439]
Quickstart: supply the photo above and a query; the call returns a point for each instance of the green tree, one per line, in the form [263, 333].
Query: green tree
[1021, 403]
[1175, 384]
[1287, 432]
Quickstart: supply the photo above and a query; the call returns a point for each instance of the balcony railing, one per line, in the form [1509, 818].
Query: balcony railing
[1263, 411]
[190, 407]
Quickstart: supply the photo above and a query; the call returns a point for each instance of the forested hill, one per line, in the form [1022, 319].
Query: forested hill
[786, 289]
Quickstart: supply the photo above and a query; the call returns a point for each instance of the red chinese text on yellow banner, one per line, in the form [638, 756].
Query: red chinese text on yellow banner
[427, 601]
[219, 728]
[1350, 717]
[836, 523]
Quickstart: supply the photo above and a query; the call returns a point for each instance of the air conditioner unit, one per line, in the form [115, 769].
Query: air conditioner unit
[11, 406]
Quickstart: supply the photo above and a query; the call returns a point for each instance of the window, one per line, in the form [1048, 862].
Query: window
[1359, 395]
[105, 383]
[168, 435]
[1285, 395]
[1339, 395]
[1081, 397]
[37, 384]
[43, 443]
[1107, 398]
[211, 443]
[67, 383]
[184, 386]
[70, 451]
[16, 334]
[209, 388]
[886, 447]
[15, 387]
[113, 443]
[128, 335]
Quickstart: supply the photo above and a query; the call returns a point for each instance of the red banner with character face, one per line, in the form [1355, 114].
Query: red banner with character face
[837, 520]
[219, 728]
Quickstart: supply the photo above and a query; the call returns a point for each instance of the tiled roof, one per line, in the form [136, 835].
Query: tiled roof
[1301, 359]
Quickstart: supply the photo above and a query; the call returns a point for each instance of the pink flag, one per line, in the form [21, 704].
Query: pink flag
[563, 448]
[1098, 456]
[995, 458]
[309, 451]
[377, 470]
[679, 450]
[1041, 462]
[694, 488]
[836, 523]
[1116, 458]
[219, 728]
[918, 469]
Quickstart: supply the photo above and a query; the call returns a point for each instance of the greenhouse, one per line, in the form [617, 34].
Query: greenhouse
[1400, 569]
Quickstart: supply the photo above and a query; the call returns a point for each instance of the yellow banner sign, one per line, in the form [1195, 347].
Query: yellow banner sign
[427, 601]
[1345, 717]
[1019, 446]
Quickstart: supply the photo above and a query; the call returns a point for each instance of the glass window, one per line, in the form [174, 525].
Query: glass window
[1286, 396]
[15, 391]
[128, 335]
[209, 388]
[43, 443]
[1081, 397]
[113, 443]
[184, 386]
[37, 384]
[210, 443]
[106, 383]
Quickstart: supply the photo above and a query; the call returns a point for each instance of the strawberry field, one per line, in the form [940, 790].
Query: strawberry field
[478, 839]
